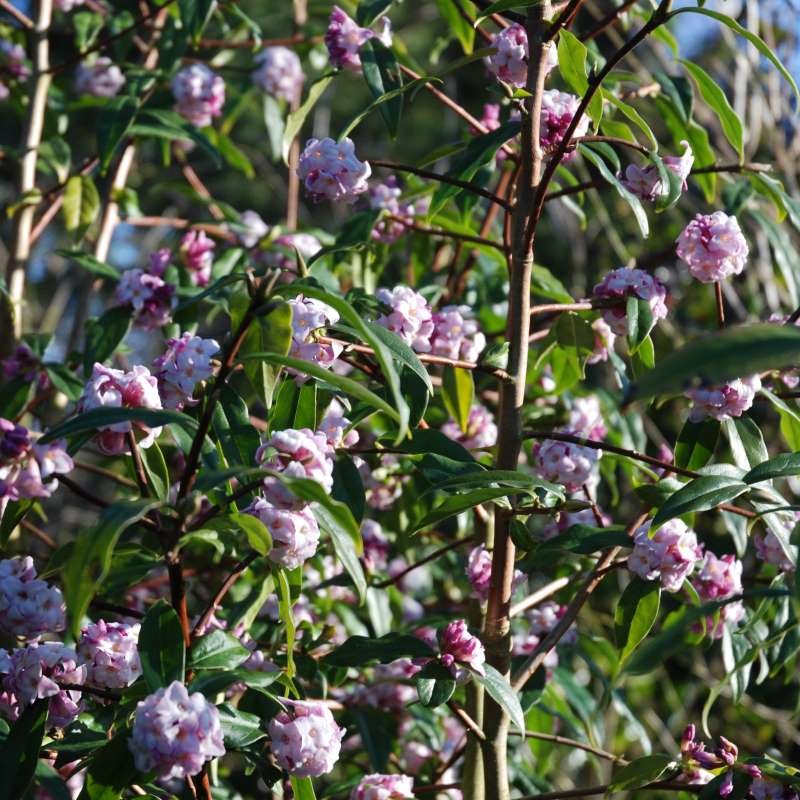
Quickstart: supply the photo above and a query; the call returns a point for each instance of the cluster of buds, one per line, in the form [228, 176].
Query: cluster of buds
[669, 555]
[387, 196]
[383, 483]
[569, 464]
[771, 550]
[175, 733]
[720, 578]
[28, 469]
[344, 38]
[479, 573]
[29, 606]
[480, 433]
[558, 109]
[410, 317]
[146, 291]
[460, 647]
[114, 388]
[646, 183]
[604, 339]
[725, 400]
[279, 73]
[25, 364]
[199, 94]
[308, 317]
[586, 418]
[697, 762]
[109, 650]
[456, 334]
[186, 362]
[99, 78]
[383, 787]
[197, 255]
[622, 283]
[510, 63]
[330, 170]
[335, 427]
[305, 738]
[295, 534]
[388, 689]
[713, 247]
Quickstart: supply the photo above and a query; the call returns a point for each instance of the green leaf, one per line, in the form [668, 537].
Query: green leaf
[104, 335]
[751, 37]
[358, 651]
[783, 466]
[295, 120]
[640, 322]
[700, 494]
[239, 728]
[258, 536]
[500, 690]
[286, 615]
[403, 354]
[585, 539]
[156, 470]
[629, 197]
[114, 120]
[635, 615]
[161, 647]
[195, 15]
[456, 504]
[100, 417]
[90, 559]
[90, 263]
[547, 285]
[633, 115]
[65, 380]
[639, 773]
[382, 74]
[696, 443]
[20, 751]
[747, 443]
[217, 650]
[458, 393]
[727, 354]
[500, 6]
[212, 683]
[679, 90]
[457, 25]
[160, 123]
[302, 788]
[435, 684]
[111, 770]
[369, 10]
[718, 102]
[81, 204]
[436, 443]
[275, 125]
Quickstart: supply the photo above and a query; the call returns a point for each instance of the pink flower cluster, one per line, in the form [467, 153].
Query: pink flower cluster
[646, 183]
[410, 317]
[251, 228]
[456, 334]
[197, 254]
[586, 418]
[186, 362]
[113, 388]
[309, 316]
[330, 170]
[344, 38]
[376, 545]
[28, 469]
[545, 616]
[481, 430]
[34, 672]
[279, 73]
[564, 462]
[622, 283]
[725, 400]
[384, 483]
[383, 787]
[296, 454]
[24, 363]
[13, 63]
[713, 246]
[305, 738]
[334, 425]
[479, 572]
[771, 550]
[510, 63]
[199, 94]
[151, 297]
[558, 109]
[696, 761]
[29, 606]
[175, 733]
[100, 78]
[669, 555]
[720, 578]
[386, 196]
[110, 653]
[566, 520]
[68, 5]
[459, 646]
[388, 688]
[295, 534]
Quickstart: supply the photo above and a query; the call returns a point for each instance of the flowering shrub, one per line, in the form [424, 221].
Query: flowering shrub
[367, 426]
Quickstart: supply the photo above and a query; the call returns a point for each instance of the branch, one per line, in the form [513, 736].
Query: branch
[607, 21]
[80, 687]
[539, 595]
[673, 786]
[564, 19]
[464, 237]
[113, 608]
[181, 224]
[550, 737]
[13, 11]
[425, 560]
[138, 466]
[105, 473]
[466, 720]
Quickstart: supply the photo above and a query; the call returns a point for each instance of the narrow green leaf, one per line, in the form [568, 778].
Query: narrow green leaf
[217, 650]
[383, 76]
[696, 443]
[700, 494]
[458, 393]
[638, 773]
[81, 204]
[456, 504]
[20, 751]
[359, 651]
[783, 466]
[113, 123]
[295, 120]
[458, 26]
[635, 615]
[239, 728]
[90, 263]
[746, 441]
[500, 690]
[103, 335]
[161, 647]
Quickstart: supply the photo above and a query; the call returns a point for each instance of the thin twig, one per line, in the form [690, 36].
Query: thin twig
[44, 537]
[138, 464]
[720, 303]
[425, 560]
[466, 720]
[86, 689]
[113, 608]
[555, 739]
[539, 595]
[607, 21]
[464, 237]
[13, 11]
[104, 473]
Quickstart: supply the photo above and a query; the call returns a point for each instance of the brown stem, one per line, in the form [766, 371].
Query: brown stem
[219, 231]
[177, 587]
[607, 21]
[44, 537]
[104, 473]
[539, 595]
[550, 737]
[466, 720]
[84, 494]
[13, 11]
[560, 308]
[464, 237]
[138, 465]
[86, 689]
[564, 19]
[720, 304]
[425, 560]
[113, 608]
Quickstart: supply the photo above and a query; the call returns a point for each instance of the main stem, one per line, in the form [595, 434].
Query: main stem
[40, 83]
[512, 396]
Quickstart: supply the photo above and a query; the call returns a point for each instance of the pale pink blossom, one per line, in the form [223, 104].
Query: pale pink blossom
[564, 462]
[197, 254]
[279, 73]
[110, 653]
[410, 317]
[344, 38]
[387, 196]
[150, 296]
[586, 418]
[251, 228]
[713, 246]
[566, 520]
[646, 183]
[185, 364]
[479, 572]
[199, 94]
[13, 60]
[456, 334]
[481, 430]
[335, 427]
[295, 534]
[459, 646]
[305, 738]
[720, 578]
[771, 550]
[309, 316]
[376, 545]
[510, 63]
[620, 284]
[724, 400]
[384, 787]
[669, 555]
[545, 616]
[330, 170]
[558, 109]
[100, 78]
[283, 250]
[604, 339]
[29, 606]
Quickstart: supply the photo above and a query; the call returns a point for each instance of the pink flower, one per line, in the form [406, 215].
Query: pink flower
[481, 430]
[100, 78]
[251, 228]
[725, 400]
[24, 363]
[331, 171]
[334, 424]
[68, 5]
[113, 388]
[151, 297]
[771, 550]
[563, 462]
[305, 738]
[13, 60]
[415, 755]
[199, 94]
[456, 334]
[376, 545]
[622, 283]
[34, 672]
[283, 251]
[279, 73]
[186, 363]
[527, 643]
[110, 654]
[297, 454]
[175, 733]
[386, 196]
[384, 787]
[713, 246]
[295, 534]
[308, 316]
[545, 616]
[29, 606]
[586, 418]
[604, 339]
[410, 317]
[720, 578]
[344, 38]
[510, 63]
[197, 254]
[459, 646]
[646, 182]
[669, 555]
[558, 109]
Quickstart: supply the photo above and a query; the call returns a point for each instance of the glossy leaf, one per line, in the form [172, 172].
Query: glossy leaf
[239, 728]
[20, 751]
[456, 504]
[358, 651]
[635, 614]
[435, 684]
[499, 689]
[696, 443]
[217, 650]
[383, 76]
[161, 647]
[295, 120]
[746, 441]
[458, 393]
[639, 773]
[700, 494]
[103, 335]
[783, 466]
